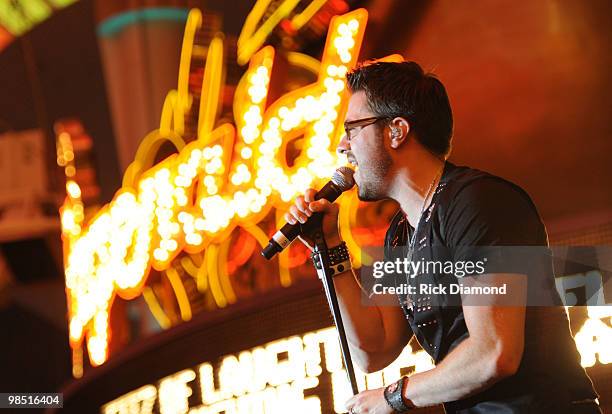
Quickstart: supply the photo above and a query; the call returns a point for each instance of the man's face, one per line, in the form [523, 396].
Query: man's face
[367, 151]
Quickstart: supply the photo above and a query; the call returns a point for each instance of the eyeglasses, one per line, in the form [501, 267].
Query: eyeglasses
[350, 126]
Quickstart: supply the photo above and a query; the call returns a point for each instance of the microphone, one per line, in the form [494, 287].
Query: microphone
[341, 180]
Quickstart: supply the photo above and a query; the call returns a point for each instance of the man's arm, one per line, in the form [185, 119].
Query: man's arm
[493, 350]
[376, 334]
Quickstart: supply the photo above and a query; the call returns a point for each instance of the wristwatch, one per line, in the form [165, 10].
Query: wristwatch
[394, 395]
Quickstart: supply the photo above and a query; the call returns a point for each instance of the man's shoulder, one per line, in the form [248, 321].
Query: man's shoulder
[465, 191]
[489, 208]
[466, 185]
[460, 178]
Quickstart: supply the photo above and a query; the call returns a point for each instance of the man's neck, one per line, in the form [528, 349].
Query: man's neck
[416, 181]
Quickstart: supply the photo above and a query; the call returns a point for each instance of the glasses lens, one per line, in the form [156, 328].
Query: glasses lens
[348, 131]
[360, 123]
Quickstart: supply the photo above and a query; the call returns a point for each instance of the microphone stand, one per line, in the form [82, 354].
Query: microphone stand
[320, 248]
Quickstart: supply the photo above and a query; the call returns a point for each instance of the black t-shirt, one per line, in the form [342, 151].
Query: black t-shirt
[473, 208]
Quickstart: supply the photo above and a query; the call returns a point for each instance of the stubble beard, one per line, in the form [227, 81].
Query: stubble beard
[374, 178]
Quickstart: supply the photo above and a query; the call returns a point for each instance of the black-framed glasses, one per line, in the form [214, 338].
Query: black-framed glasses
[351, 126]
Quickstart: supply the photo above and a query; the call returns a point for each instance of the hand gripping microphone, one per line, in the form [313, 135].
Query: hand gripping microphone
[341, 181]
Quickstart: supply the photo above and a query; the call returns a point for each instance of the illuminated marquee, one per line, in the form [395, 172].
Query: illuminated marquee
[285, 375]
[235, 174]
[595, 336]
[278, 377]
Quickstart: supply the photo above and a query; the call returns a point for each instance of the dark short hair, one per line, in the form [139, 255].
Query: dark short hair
[403, 89]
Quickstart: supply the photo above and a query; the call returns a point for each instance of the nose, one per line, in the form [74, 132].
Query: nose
[343, 146]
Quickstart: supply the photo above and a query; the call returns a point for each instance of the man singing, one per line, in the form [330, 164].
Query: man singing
[489, 358]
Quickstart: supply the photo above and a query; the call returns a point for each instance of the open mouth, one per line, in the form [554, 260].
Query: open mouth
[353, 163]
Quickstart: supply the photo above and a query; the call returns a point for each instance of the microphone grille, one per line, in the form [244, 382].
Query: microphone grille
[343, 178]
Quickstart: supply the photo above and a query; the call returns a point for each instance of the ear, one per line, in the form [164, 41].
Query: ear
[399, 128]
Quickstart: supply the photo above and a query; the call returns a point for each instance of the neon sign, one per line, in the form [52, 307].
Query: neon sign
[230, 176]
[285, 375]
[19, 16]
[280, 376]
[595, 336]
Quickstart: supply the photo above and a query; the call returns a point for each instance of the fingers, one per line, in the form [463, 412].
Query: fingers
[294, 215]
[302, 206]
[322, 206]
[350, 403]
[309, 195]
[305, 206]
[290, 219]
